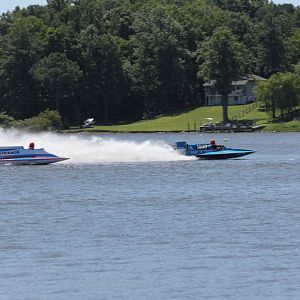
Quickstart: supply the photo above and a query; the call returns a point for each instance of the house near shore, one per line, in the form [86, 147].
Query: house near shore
[242, 91]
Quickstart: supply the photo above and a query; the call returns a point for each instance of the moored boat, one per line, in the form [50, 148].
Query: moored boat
[210, 151]
[18, 155]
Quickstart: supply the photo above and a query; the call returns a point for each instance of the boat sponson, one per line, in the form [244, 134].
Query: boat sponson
[224, 154]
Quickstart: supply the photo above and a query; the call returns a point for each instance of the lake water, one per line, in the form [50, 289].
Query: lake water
[128, 218]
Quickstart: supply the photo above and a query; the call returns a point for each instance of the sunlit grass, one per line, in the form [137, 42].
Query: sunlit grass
[284, 127]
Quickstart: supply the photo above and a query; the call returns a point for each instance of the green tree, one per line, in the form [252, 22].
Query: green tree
[198, 21]
[156, 68]
[20, 49]
[58, 75]
[103, 73]
[297, 69]
[245, 6]
[58, 12]
[289, 96]
[223, 58]
[280, 93]
[270, 49]
[293, 47]
[5, 119]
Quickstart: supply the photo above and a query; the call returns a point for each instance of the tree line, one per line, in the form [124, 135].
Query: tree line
[126, 59]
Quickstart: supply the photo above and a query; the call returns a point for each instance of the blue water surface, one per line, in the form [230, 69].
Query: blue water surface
[226, 229]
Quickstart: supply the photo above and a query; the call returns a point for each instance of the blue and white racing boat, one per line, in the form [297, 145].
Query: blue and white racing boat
[18, 155]
[210, 151]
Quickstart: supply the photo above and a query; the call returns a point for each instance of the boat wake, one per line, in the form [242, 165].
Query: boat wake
[93, 149]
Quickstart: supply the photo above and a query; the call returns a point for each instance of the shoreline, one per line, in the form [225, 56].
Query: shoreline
[169, 131]
[292, 126]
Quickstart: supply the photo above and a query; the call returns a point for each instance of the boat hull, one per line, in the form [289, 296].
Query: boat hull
[226, 154]
[18, 155]
[32, 160]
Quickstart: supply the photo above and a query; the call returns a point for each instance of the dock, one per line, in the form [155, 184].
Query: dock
[215, 128]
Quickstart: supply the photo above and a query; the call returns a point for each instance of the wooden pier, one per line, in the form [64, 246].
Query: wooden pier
[230, 128]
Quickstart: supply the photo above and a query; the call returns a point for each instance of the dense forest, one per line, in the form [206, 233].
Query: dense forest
[130, 59]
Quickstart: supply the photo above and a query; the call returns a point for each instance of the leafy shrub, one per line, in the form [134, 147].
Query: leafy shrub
[5, 119]
[47, 120]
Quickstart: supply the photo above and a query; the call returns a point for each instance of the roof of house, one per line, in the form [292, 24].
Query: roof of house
[241, 80]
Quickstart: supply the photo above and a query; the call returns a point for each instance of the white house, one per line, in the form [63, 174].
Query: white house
[242, 91]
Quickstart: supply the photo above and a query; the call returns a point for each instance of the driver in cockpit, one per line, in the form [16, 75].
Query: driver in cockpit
[215, 146]
[31, 146]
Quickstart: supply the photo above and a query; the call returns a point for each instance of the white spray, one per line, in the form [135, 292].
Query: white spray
[93, 149]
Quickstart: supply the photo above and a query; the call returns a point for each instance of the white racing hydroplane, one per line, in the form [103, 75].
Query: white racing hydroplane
[18, 155]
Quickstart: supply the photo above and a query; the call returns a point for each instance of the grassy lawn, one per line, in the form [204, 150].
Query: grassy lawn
[259, 117]
[189, 119]
[284, 127]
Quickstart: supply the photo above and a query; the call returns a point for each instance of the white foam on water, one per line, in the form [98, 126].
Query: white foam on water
[93, 149]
